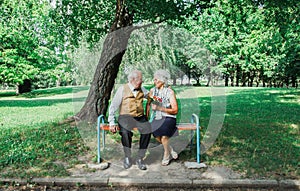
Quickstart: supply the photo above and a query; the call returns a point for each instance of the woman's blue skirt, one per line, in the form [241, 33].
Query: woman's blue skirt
[164, 127]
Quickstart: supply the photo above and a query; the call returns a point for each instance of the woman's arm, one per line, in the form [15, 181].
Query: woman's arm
[174, 106]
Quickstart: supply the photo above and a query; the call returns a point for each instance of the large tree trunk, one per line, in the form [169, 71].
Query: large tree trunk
[107, 69]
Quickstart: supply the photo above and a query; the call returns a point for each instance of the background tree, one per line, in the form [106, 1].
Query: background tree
[248, 41]
[95, 19]
[28, 47]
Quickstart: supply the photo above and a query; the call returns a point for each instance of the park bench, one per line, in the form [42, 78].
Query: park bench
[102, 127]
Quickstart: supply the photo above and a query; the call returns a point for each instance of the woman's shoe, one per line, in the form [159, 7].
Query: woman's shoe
[165, 161]
[173, 153]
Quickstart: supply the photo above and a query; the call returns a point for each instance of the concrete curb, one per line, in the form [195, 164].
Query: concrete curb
[151, 183]
[240, 183]
[289, 184]
[76, 181]
[161, 183]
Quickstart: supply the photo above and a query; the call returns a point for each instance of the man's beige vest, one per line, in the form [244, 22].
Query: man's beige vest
[132, 105]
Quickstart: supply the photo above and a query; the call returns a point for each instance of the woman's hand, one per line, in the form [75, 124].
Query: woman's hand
[158, 108]
[113, 128]
[154, 107]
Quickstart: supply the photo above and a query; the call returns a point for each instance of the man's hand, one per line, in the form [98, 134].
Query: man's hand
[113, 128]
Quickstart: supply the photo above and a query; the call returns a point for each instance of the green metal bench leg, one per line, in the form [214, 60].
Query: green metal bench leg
[98, 139]
[99, 121]
[103, 136]
[196, 120]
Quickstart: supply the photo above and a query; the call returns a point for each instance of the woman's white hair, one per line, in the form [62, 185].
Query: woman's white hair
[162, 75]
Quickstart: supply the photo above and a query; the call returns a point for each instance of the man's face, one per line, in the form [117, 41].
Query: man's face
[137, 82]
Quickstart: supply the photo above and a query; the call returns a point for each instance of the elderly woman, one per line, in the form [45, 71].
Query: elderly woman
[162, 99]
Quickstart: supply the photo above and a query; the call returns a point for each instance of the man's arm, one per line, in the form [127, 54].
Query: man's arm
[146, 92]
[114, 106]
[148, 104]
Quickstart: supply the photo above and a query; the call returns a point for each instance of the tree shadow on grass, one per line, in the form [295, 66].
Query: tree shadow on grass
[38, 102]
[45, 92]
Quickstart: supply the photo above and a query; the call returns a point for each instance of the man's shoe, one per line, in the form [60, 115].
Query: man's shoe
[140, 163]
[127, 162]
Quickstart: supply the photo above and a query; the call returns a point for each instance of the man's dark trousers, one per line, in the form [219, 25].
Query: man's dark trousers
[126, 124]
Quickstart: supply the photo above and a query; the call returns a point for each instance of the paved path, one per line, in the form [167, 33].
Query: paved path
[176, 176]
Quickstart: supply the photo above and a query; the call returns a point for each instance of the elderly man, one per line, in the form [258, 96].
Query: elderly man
[129, 101]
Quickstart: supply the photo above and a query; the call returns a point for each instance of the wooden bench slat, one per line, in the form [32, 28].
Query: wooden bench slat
[180, 126]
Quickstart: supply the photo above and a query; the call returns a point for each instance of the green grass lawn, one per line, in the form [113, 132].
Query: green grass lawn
[259, 135]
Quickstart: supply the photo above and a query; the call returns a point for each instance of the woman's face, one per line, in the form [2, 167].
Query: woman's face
[157, 82]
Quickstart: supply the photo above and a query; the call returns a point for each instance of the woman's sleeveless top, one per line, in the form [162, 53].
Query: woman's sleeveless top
[164, 94]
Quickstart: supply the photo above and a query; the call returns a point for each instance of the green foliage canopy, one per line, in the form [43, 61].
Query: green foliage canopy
[29, 47]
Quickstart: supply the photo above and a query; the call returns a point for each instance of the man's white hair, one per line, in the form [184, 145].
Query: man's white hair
[133, 74]
[162, 75]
